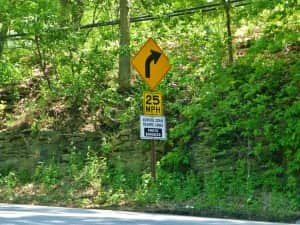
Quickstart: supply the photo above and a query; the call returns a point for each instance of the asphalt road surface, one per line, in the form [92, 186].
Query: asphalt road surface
[41, 215]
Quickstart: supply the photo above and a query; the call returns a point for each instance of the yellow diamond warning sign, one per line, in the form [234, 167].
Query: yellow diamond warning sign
[153, 103]
[151, 63]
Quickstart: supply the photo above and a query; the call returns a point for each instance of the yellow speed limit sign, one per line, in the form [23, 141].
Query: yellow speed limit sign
[153, 103]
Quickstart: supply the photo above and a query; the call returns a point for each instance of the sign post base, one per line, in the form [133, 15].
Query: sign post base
[153, 160]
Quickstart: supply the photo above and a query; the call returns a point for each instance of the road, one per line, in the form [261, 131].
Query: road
[41, 215]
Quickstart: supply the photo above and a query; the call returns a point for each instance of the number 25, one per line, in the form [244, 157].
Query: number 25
[152, 100]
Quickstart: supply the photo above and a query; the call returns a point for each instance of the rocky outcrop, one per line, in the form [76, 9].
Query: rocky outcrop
[20, 148]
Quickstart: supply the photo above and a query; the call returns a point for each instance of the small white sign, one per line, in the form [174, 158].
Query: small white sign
[153, 127]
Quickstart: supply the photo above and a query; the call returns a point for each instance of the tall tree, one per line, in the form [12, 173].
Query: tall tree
[124, 57]
[4, 22]
[3, 32]
[71, 11]
[227, 5]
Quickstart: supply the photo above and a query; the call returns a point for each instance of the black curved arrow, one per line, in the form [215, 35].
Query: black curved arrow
[153, 57]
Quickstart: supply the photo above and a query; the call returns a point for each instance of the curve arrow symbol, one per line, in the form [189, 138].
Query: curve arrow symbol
[153, 57]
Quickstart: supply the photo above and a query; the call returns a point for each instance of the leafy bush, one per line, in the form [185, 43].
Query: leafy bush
[9, 72]
[48, 174]
[10, 181]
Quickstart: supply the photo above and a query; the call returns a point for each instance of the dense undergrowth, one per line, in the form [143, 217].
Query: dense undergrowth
[233, 143]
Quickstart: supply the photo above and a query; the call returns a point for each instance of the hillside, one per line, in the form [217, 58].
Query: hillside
[70, 136]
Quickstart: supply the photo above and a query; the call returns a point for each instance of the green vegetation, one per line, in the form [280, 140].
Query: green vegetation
[69, 135]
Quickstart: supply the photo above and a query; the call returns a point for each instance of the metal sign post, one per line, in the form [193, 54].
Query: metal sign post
[153, 160]
[153, 128]
[152, 64]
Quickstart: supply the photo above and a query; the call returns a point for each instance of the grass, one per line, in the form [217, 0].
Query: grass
[64, 190]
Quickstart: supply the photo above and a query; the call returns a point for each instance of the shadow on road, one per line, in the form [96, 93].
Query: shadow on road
[40, 215]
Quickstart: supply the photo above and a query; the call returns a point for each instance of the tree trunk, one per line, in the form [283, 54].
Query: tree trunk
[42, 63]
[124, 57]
[65, 12]
[77, 12]
[3, 33]
[229, 34]
[71, 12]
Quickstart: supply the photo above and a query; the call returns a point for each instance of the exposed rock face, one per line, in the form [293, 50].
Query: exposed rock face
[27, 139]
[20, 148]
